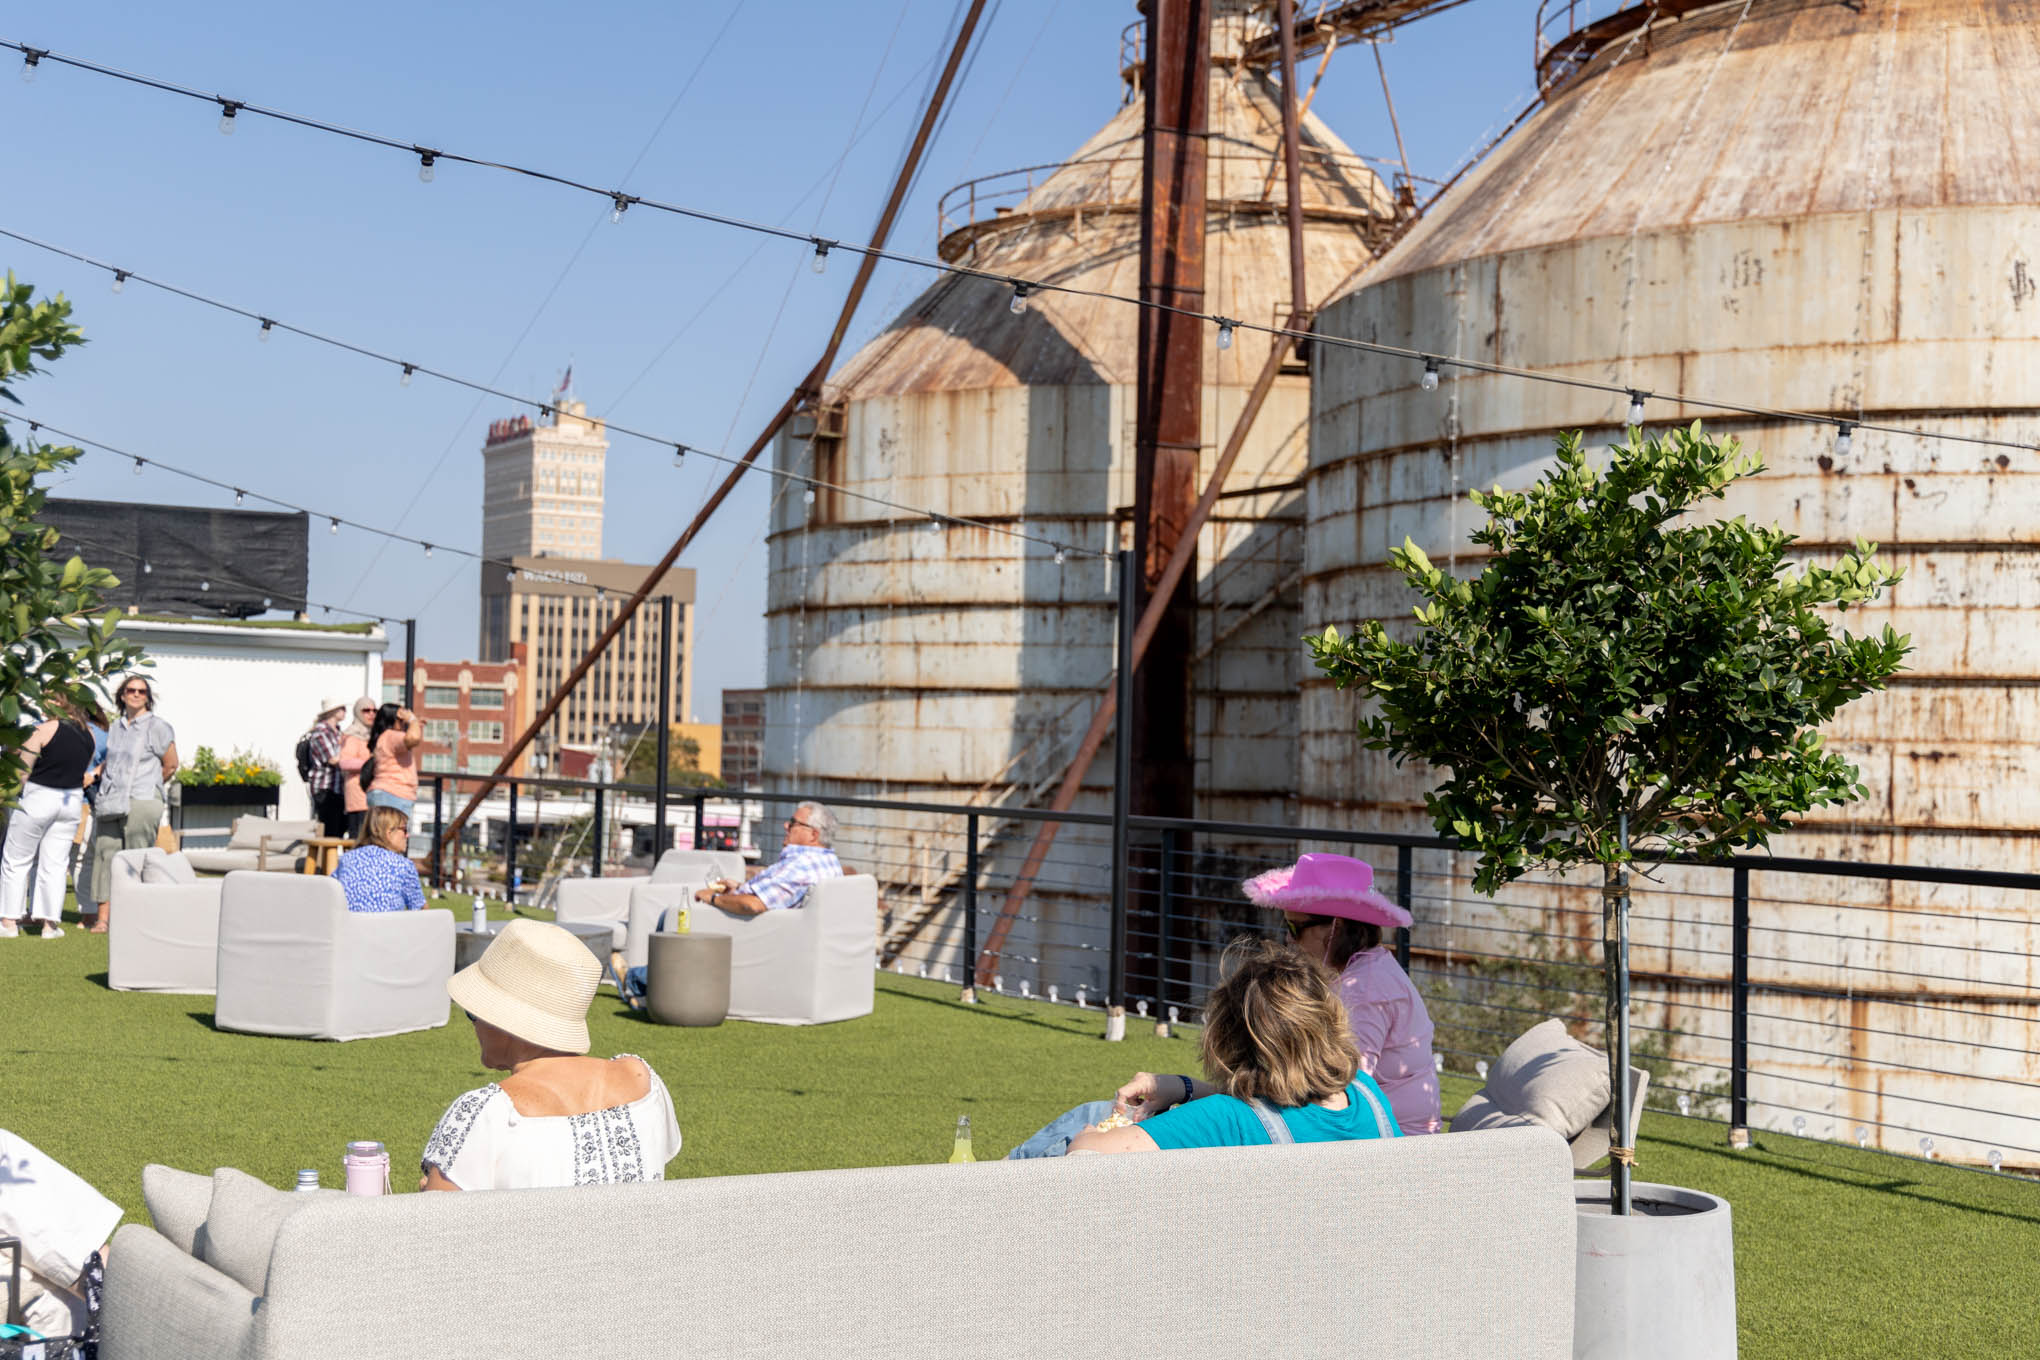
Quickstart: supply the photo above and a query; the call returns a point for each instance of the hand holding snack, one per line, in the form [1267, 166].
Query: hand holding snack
[1146, 1095]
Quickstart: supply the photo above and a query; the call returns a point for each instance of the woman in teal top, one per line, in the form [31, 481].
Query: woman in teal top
[1281, 1064]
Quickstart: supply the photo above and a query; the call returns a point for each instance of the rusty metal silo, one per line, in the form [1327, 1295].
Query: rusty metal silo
[944, 662]
[1814, 207]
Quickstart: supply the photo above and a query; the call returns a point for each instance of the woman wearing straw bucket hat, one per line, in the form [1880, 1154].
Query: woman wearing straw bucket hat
[1333, 913]
[560, 1117]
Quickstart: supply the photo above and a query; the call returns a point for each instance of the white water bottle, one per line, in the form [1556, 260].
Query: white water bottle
[479, 916]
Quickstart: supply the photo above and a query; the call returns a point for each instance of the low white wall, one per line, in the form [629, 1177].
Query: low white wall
[241, 687]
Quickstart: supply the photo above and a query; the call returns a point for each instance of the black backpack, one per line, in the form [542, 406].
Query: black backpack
[306, 762]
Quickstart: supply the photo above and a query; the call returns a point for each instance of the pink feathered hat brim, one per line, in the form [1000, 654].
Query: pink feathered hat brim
[1323, 895]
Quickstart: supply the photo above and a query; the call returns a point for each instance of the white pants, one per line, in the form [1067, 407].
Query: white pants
[39, 841]
[60, 1220]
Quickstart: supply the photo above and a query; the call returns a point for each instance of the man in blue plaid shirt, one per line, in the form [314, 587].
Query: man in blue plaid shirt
[805, 861]
[322, 778]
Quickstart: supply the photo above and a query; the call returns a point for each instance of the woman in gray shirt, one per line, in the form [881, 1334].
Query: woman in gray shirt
[141, 755]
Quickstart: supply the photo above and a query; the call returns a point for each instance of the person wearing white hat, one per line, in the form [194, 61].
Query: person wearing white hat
[560, 1118]
[318, 755]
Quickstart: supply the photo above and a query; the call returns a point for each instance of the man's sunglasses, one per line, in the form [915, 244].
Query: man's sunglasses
[792, 822]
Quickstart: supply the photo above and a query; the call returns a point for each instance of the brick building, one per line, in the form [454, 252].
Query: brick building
[472, 711]
[743, 737]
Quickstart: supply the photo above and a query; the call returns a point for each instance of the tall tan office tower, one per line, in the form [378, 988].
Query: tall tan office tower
[546, 585]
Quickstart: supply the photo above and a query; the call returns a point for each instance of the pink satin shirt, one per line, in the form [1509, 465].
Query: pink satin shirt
[1393, 1031]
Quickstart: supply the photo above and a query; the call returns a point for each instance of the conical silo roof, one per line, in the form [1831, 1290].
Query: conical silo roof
[1771, 109]
[1077, 224]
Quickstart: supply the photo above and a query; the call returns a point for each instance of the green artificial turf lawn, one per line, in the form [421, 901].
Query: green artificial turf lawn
[1839, 1252]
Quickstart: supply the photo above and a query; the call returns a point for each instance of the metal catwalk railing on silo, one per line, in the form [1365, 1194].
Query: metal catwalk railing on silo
[1847, 1001]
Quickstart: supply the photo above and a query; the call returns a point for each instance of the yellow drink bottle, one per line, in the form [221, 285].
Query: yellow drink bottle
[961, 1152]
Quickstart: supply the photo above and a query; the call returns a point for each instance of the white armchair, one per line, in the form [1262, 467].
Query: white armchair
[806, 966]
[609, 900]
[164, 930]
[294, 961]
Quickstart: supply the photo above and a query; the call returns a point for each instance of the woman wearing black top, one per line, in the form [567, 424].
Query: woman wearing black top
[40, 831]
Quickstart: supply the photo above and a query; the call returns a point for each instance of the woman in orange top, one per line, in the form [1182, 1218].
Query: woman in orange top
[391, 775]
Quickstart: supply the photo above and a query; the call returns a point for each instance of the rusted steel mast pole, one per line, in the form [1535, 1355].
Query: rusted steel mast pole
[1285, 19]
[810, 387]
[1169, 409]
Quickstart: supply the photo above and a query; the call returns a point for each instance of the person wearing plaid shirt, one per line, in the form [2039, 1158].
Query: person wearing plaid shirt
[329, 800]
[805, 861]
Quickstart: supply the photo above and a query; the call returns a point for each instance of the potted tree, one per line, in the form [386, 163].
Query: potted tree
[1624, 678]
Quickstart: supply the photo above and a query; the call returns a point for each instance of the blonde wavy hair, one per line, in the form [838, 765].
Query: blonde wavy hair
[380, 822]
[1274, 1029]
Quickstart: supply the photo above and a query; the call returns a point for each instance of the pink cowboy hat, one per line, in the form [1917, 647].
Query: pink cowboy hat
[1326, 885]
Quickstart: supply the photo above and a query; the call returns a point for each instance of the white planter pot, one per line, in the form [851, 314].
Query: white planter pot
[1659, 1282]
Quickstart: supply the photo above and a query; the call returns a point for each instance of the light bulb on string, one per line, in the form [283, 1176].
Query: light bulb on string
[147, 569]
[205, 585]
[425, 160]
[679, 454]
[268, 329]
[1059, 556]
[334, 526]
[265, 602]
[228, 108]
[1844, 438]
[120, 278]
[821, 260]
[404, 379]
[620, 202]
[808, 495]
[29, 57]
[1636, 407]
[1225, 333]
[1019, 301]
[428, 550]
[240, 496]
[138, 467]
[1429, 382]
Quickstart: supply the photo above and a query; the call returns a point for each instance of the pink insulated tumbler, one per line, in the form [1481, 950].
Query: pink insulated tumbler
[368, 1169]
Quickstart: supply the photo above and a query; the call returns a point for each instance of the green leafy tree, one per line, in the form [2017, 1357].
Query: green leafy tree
[1623, 678]
[56, 636]
[683, 763]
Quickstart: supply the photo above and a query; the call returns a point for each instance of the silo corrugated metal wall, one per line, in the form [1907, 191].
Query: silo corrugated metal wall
[943, 662]
[1798, 206]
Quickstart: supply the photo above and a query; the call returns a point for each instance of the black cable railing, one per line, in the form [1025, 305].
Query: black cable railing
[1746, 1011]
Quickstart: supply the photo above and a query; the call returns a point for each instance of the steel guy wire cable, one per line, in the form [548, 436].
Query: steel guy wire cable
[1021, 287]
[546, 408]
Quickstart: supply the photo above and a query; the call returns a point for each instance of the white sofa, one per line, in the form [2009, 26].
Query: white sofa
[294, 961]
[262, 843]
[807, 966]
[607, 900]
[163, 934]
[1466, 1244]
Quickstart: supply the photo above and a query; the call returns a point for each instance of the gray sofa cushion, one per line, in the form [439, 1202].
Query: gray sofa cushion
[1481, 1113]
[1551, 1077]
[159, 867]
[241, 1224]
[176, 1201]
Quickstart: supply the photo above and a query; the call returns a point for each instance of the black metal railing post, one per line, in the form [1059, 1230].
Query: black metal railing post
[1165, 891]
[665, 742]
[970, 882]
[510, 849]
[700, 801]
[1122, 788]
[438, 822]
[1739, 1021]
[601, 836]
[1405, 885]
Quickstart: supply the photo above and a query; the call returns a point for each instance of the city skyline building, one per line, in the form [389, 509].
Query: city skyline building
[542, 486]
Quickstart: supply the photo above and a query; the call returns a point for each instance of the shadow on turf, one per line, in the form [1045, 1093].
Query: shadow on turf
[1900, 1189]
[1059, 1027]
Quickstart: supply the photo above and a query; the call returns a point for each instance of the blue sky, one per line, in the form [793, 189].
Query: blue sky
[689, 330]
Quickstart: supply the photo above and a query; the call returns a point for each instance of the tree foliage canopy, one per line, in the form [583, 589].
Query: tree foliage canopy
[51, 644]
[1613, 658]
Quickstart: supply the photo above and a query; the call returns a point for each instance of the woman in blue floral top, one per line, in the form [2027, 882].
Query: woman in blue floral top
[377, 875]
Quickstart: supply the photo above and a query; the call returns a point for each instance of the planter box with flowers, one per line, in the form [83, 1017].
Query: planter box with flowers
[240, 785]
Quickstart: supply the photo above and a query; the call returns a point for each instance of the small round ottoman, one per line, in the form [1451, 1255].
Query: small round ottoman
[688, 980]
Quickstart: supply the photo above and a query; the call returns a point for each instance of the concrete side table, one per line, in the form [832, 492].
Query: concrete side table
[688, 980]
[468, 943]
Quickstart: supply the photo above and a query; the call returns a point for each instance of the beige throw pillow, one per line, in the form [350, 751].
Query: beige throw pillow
[1550, 1077]
[241, 1225]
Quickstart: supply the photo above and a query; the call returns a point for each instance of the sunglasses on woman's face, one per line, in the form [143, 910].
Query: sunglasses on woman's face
[142, 692]
[1296, 928]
